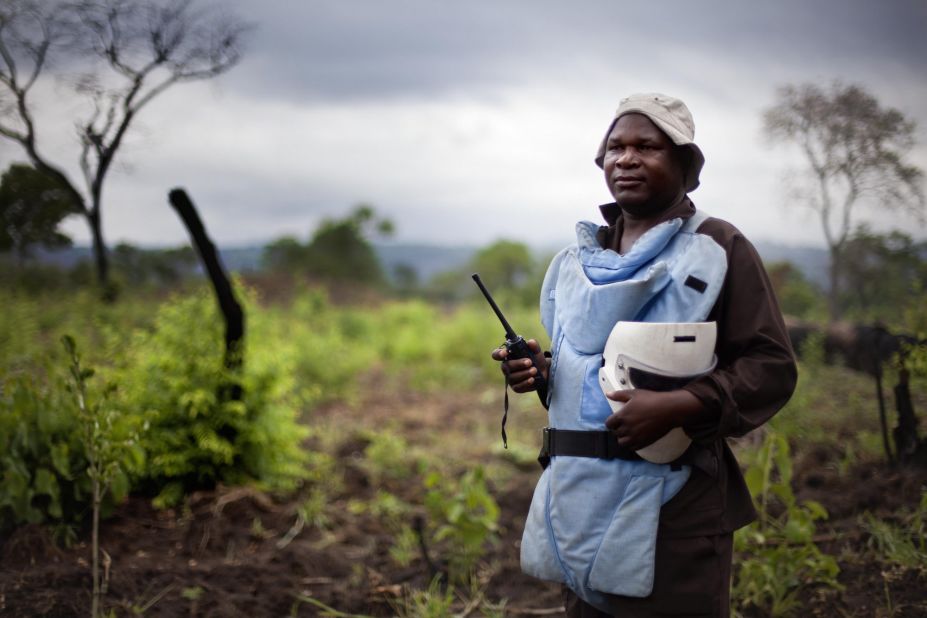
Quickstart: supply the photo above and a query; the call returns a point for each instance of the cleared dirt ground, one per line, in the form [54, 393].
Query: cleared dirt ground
[222, 553]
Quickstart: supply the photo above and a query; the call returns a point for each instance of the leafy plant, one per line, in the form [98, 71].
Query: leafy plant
[325, 348]
[465, 515]
[173, 375]
[44, 457]
[781, 557]
[388, 507]
[192, 593]
[386, 458]
[40, 455]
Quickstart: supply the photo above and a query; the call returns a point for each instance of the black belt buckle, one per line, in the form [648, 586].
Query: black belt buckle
[546, 441]
[544, 455]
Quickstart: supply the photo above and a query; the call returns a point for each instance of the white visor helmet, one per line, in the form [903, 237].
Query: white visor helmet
[658, 356]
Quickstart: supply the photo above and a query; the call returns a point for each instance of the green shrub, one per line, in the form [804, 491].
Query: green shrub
[106, 445]
[440, 349]
[779, 555]
[465, 515]
[387, 458]
[43, 460]
[40, 455]
[322, 349]
[172, 375]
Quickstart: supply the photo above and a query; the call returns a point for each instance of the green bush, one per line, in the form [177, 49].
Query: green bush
[797, 296]
[779, 555]
[43, 462]
[465, 515]
[172, 375]
[445, 350]
[387, 458]
[31, 328]
[322, 349]
[20, 331]
[167, 360]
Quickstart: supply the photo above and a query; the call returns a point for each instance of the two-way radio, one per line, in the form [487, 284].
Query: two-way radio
[516, 347]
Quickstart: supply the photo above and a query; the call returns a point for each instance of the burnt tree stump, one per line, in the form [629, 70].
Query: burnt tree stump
[231, 309]
[867, 349]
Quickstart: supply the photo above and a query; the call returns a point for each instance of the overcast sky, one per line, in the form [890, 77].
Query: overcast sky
[466, 122]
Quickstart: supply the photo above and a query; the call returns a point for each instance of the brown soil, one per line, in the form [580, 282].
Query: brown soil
[222, 554]
[871, 587]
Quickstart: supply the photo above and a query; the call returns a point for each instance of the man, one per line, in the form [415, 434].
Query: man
[628, 537]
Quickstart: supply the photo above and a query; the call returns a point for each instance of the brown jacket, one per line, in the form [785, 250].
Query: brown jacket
[754, 378]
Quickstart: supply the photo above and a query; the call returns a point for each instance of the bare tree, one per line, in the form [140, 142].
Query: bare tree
[855, 151]
[123, 53]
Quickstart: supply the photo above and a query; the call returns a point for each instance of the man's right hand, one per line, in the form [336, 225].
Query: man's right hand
[519, 373]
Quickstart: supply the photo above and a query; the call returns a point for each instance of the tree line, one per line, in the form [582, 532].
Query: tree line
[880, 273]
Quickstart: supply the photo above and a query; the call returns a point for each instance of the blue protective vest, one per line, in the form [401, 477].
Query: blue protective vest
[593, 522]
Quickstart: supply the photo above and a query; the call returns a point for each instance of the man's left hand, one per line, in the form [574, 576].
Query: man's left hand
[647, 416]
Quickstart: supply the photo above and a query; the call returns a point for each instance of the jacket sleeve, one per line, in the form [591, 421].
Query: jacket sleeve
[756, 371]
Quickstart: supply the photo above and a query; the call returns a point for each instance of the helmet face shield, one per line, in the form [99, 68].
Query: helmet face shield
[641, 378]
[635, 374]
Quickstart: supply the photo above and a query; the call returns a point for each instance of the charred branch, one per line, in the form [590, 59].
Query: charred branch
[868, 349]
[231, 309]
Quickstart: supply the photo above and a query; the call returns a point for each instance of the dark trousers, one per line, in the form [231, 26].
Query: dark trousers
[692, 578]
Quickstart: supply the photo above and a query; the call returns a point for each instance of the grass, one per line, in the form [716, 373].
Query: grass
[901, 541]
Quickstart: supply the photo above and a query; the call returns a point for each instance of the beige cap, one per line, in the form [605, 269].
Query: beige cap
[672, 117]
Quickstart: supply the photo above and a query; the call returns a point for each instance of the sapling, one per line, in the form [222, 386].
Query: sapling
[105, 451]
[779, 554]
[466, 516]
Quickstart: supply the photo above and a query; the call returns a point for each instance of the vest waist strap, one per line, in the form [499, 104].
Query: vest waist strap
[573, 443]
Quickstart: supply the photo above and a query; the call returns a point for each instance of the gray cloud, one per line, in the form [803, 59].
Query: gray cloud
[466, 122]
[371, 49]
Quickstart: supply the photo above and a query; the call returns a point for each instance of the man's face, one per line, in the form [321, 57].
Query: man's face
[643, 168]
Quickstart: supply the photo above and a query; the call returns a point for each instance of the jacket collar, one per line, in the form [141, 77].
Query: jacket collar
[683, 210]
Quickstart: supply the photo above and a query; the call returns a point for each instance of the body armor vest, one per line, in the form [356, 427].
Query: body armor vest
[593, 522]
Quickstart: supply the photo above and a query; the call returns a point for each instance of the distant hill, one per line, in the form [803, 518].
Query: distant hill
[429, 260]
[813, 262]
[242, 259]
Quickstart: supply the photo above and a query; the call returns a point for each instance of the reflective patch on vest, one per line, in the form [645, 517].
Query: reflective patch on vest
[696, 284]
